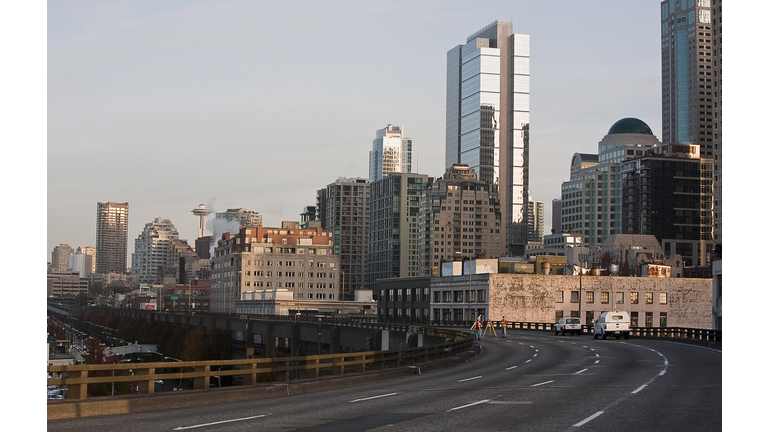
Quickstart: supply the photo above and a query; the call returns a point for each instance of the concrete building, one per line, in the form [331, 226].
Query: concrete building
[404, 300]
[344, 207]
[651, 301]
[591, 200]
[111, 237]
[66, 283]
[393, 239]
[667, 193]
[258, 258]
[391, 152]
[60, 257]
[487, 119]
[152, 256]
[82, 262]
[459, 215]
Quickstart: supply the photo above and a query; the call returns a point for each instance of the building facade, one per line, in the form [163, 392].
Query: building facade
[111, 237]
[488, 116]
[391, 152]
[261, 258]
[393, 237]
[344, 207]
[66, 283]
[650, 301]
[687, 60]
[668, 193]
[60, 257]
[460, 215]
[241, 216]
[535, 211]
[591, 201]
[152, 258]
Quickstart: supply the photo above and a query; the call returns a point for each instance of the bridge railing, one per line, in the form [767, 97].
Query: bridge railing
[143, 376]
[653, 332]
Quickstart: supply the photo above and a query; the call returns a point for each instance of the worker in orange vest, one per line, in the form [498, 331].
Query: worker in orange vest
[503, 327]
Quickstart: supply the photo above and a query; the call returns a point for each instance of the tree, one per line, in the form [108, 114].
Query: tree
[96, 355]
[96, 289]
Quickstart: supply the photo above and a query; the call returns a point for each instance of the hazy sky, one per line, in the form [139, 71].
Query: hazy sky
[255, 104]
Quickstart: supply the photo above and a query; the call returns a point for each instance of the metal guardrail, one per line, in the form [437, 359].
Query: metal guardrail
[143, 375]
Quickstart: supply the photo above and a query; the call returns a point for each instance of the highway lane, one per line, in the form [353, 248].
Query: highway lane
[529, 381]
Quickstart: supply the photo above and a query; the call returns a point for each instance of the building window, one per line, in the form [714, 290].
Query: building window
[662, 319]
[574, 296]
[604, 298]
[649, 319]
[633, 319]
[558, 315]
[649, 298]
[663, 298]
[633, 297]
[590, 296]
[559, 298]
[619, 297]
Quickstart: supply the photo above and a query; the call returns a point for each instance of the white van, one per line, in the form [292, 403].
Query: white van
[616, 323]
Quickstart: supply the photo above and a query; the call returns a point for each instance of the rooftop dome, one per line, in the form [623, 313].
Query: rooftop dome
[630, 125]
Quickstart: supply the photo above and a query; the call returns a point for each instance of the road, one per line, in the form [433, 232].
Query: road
[529, 381]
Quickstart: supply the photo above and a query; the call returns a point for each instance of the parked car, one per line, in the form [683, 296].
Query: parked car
[568, 324]
[614, 323]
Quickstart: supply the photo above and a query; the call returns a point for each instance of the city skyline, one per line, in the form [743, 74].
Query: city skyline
[167, 107]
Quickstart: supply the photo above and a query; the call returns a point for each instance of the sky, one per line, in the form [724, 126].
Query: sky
[257, 105]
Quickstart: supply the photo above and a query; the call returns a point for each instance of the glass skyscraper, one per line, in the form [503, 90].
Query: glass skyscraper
[391, 152]
[687, 73]
[487, 117]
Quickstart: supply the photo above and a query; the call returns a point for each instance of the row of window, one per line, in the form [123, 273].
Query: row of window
[634, 297]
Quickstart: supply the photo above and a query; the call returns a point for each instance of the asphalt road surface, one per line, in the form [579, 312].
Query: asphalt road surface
[529, 381]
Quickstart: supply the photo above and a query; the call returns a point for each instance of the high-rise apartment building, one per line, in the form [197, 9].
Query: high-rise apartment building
[687, 61]
[487, 118]
[393, 238]
[82, 261]
[391, 152]
[111, 237]
[590, 202]
[60, 257]
[535, 221]
[667, 193]
[343, 208]
[151, 261]
[460, 215]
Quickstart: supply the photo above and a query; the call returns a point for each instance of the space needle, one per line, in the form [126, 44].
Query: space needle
[201, 212]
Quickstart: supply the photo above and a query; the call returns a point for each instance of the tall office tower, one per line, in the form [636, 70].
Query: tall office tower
[60, 257]
[667, 193]
[687, 92]
[111, 237]
[344, 206]
[150, 260]
[391, 153]
[717, 108]
[460, 215]
[535, 221]
[393, 237]
[591, 199]
[487, 117]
